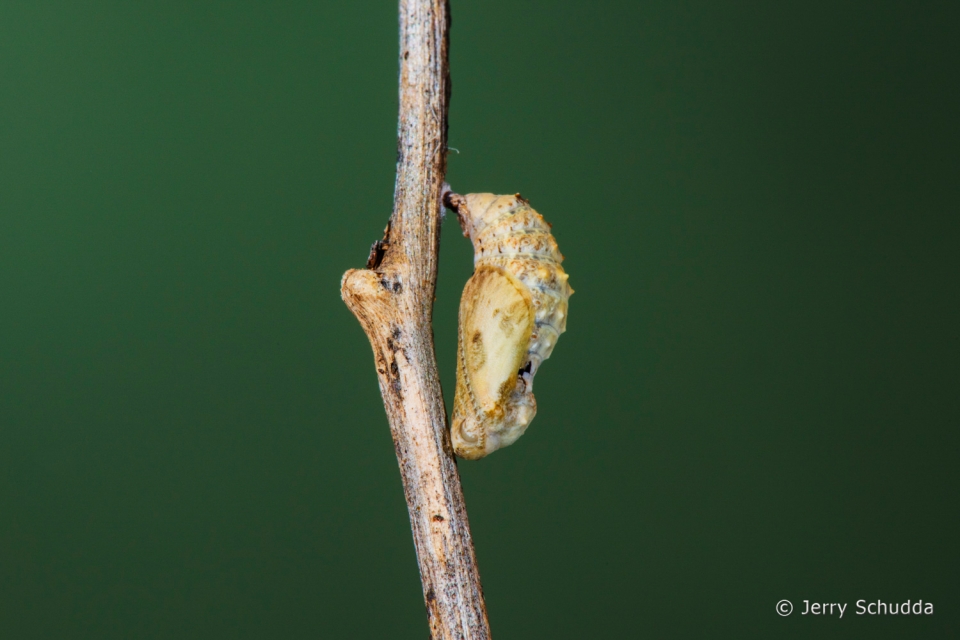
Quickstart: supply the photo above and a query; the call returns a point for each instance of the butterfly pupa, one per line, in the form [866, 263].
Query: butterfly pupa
[512, 311]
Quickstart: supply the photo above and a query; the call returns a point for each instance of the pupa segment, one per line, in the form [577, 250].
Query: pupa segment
[512, 311]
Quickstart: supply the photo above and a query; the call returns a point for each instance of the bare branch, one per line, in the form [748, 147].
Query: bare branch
[393, 300]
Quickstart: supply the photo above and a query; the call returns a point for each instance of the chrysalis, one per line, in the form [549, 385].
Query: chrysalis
[513, 309]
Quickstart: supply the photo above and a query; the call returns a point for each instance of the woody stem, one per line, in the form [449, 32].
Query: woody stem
[393, 300]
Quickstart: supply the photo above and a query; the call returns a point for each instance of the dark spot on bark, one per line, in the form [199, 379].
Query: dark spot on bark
[527, 368]
[391, 285]
[393, 339]
[438, 518]
[379, 249]
[431, 602]
[477, 338]
[406, 54]
[394, 346]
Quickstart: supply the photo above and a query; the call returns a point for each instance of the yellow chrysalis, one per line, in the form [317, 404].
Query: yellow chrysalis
[512, 311]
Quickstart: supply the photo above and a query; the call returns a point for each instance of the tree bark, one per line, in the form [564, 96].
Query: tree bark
[393, 300]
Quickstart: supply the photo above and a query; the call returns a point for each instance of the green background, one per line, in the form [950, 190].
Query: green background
[756, 399]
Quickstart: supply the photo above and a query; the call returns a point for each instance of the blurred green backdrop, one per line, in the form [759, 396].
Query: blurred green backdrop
[757, 397]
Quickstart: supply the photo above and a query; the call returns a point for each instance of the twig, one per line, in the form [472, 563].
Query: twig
[393, 300]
